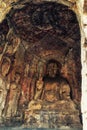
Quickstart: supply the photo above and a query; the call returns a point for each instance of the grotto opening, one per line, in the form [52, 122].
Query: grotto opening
[40, 67]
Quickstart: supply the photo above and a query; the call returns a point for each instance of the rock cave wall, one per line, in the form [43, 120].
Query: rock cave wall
[39, 41]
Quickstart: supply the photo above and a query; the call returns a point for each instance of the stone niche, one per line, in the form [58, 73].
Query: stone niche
[40, 67]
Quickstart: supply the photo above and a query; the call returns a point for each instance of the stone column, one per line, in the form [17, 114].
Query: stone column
[83, 28]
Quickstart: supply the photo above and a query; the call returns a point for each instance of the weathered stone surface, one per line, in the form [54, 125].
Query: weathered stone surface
[52, 119]
[41, 32]
[6, 5]
[54, 108]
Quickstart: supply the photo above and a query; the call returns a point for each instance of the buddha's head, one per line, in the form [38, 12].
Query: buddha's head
[53, 68]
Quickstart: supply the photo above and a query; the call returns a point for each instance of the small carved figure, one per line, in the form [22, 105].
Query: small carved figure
[25, 85]
[65, 91]
[26, 71]
[39, 88]
[4, 84]
[40, 68]
[13, 97]
[13, 42]
[2, 51]
[32, 87]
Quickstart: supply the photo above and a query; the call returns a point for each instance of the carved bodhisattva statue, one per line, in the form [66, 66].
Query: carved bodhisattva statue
[25, 87]
[39, 87]
[4, 84]
[13, 97]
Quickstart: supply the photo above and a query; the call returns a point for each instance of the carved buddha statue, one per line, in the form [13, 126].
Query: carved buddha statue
[55, 98]
[53, 81]
[51, 89]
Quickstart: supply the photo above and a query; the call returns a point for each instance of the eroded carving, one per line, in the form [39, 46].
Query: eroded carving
[55, 92]
[46, 60]
[4, 84]
[13, 97]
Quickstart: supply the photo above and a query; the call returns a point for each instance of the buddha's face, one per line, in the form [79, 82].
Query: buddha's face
[52, 69]
[50, 93]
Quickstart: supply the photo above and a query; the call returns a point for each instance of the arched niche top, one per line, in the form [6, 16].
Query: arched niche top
[33, 20]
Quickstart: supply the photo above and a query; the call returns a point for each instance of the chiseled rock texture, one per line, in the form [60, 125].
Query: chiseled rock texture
[20, 34]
